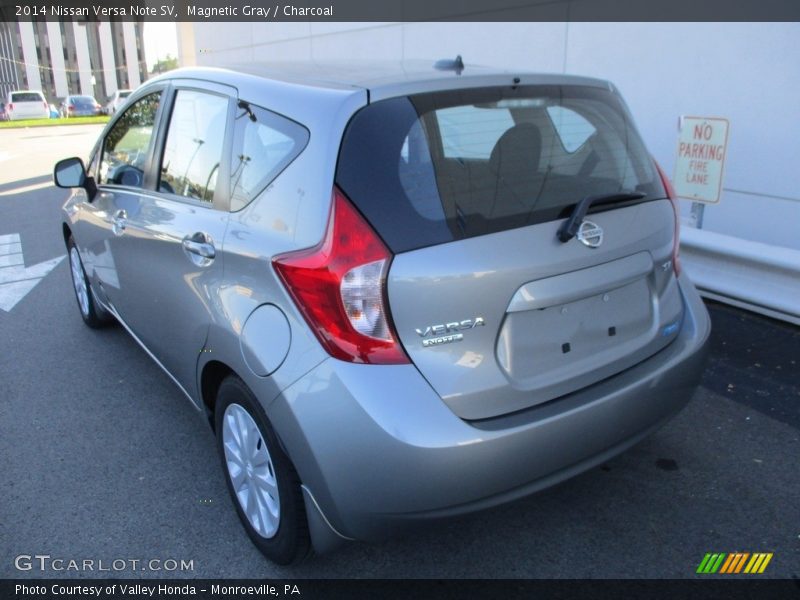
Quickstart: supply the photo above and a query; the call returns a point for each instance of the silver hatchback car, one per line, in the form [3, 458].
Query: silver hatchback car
[398, 294]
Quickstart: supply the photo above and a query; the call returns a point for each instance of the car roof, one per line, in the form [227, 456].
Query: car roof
[382, 79]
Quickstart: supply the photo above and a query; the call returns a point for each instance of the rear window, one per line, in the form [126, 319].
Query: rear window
[434, 168]
[26, 97]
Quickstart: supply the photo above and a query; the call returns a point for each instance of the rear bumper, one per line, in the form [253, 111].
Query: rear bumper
[378, 449]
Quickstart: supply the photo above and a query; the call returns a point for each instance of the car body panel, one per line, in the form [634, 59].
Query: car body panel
[166, 293]
[392, 422]
[516, 357]
[475, 423]
[299, 218]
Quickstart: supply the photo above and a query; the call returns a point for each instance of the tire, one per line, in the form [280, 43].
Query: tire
[92, 314]
[262, 481]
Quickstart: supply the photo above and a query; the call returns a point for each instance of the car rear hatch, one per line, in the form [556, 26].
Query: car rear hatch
[83, 105]
[28, 104]
[468, 189]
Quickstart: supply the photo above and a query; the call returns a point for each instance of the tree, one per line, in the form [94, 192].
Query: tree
[164, 65]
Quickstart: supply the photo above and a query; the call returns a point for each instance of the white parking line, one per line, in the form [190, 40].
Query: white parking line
[10, 260]
[10, 248]
[20, 273]
[16, 280]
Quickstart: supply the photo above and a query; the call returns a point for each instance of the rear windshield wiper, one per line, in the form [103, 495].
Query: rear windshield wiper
[569, 229]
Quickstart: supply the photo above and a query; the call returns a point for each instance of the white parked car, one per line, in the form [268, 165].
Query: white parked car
[27, 104]
[117, 100]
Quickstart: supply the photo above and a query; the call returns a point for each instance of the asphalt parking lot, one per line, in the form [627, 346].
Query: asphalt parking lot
[104, 459]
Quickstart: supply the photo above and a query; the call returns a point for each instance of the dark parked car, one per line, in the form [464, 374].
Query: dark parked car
[396, 295]
[80, 106]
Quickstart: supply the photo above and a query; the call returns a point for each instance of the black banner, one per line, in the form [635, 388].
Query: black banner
[400, 10]
[383, 589]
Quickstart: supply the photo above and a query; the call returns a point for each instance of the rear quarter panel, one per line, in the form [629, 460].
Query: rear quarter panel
[290, 214]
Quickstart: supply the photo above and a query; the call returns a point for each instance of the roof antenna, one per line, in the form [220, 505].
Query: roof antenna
[449, 64]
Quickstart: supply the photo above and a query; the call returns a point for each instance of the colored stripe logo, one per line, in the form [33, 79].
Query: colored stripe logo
[735, 562]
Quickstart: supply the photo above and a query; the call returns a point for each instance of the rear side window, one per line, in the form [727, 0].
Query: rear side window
[434, 168]
[264, 144]
[193, 150]
[26, 97]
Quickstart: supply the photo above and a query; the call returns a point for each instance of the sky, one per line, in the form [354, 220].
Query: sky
[160, 39]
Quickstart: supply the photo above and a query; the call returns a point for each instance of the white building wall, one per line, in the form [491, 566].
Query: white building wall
[57, 59]
[107, 56]
[84, 62]
[748, 73]
[745, 72]
[131, 57]
[29, 55]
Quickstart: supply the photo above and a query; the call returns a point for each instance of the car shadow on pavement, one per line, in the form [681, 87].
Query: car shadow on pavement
[23, 183]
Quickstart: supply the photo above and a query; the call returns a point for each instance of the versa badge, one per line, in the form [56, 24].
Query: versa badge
[447, 333]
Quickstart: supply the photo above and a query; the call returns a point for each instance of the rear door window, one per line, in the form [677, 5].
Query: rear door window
[193, 151]
[434, 168]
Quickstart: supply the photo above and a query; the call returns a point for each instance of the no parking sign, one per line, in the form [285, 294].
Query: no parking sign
[702, 147]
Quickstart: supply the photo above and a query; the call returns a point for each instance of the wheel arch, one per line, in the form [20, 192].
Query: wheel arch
[66, 232]
[212, 375]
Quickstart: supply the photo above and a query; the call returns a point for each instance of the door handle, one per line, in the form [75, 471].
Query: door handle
[200, 244]
[119, 221]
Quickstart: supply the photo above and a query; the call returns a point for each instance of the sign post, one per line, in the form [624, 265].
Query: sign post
[702, 147]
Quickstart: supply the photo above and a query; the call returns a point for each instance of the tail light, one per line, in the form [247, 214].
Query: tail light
[673, 198]
[340, 288]
[46, 106]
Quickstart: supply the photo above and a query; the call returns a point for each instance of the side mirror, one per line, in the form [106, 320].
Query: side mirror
[70, 173]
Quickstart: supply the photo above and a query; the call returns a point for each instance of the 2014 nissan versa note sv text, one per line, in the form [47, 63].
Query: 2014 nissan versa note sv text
[398, 294]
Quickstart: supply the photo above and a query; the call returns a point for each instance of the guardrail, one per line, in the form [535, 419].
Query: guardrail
[751, 275]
